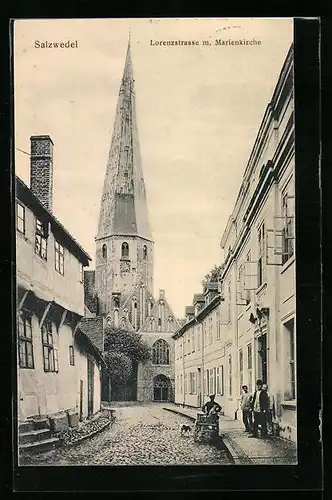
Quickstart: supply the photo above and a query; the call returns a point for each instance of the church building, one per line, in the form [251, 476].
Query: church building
[121, 288]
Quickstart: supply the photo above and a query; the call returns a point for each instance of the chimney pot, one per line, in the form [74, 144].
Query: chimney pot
[41, 169]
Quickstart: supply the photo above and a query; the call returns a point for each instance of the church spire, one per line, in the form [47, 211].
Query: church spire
[124, 208]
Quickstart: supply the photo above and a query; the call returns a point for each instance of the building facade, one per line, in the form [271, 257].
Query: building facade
[58, 368]
[258, 288]
[200, 353]
[121, 287]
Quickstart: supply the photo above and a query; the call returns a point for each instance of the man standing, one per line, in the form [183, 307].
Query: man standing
[260, 406]
[270, 415]
[246, 408]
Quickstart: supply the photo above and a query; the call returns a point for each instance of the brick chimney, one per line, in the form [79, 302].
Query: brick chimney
[41, 169]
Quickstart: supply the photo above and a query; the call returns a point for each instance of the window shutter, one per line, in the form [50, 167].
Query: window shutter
[250, 276]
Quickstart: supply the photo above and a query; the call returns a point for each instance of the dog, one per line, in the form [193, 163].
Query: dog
[185, 429]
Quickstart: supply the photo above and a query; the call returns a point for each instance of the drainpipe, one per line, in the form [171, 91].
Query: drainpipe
[203, 346]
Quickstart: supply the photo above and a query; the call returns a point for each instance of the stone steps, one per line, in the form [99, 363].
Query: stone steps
[44, 445]
[34, 435]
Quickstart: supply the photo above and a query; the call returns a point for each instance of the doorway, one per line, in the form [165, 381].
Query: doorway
[161, 388]
[91, 367]
[262, 358]
[81, 400]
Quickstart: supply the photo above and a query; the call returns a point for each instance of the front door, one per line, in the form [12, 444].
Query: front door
[90, 387]
[262, 358]
[161, 387]
[199, 388]
[81, 400]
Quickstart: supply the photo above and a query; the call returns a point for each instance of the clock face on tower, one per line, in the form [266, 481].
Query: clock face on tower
[124, 266]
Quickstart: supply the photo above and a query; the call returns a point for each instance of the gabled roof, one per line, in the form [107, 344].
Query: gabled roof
[26, 196]
[93, 328]
[201, 315]
[155, 314]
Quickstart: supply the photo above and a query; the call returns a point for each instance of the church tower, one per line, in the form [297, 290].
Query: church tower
[124, 246]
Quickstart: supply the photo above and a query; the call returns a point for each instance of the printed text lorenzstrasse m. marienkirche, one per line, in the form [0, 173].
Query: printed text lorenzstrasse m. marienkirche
[219, 41]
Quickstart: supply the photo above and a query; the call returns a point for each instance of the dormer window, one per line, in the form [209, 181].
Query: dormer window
[125, 250]
[104, 251]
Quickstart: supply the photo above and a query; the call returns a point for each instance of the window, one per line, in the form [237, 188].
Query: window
[218, 386]
[249, 365]
[145, 252]
[230, 373]
[20, 218]
[199, 338]
[241, 368]
[288, 231]
[222, 379]
[229, 302]
[188, 343]
[50, 354]
[186, 383]
[160, 353]
[218, 325]
[81, 273]
[41, 239]
[59, 258]
[25, 339]
[247, 292]
[290, 383]
[193, 340]
[181, 383]
[125, 250]
[211, 387]
[71, 355]
[261, 255]
[104, 251]
[192, 383]
[206, 382]
[210, 330]
[205, 333]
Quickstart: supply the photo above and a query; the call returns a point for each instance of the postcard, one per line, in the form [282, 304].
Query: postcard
[155, 241]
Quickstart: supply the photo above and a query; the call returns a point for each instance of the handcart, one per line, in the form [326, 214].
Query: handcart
[206, 426]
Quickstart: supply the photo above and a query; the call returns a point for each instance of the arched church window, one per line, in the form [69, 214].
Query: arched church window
[125, 250]
[116, 302]
[160, 352]
[152, 324]
[145, 252]
[104, 251]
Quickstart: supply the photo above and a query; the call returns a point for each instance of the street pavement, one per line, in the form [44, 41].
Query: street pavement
[245, 450]
[140, 435]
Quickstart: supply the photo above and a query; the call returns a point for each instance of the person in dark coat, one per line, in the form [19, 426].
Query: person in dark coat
[211, 405]
[260, 407]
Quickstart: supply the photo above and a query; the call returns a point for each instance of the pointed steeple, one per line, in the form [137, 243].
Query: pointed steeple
[124, 208]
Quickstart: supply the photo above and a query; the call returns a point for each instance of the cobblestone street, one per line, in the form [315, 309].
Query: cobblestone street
[140, 435]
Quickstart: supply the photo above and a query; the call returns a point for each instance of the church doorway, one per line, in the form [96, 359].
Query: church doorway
[161, 388]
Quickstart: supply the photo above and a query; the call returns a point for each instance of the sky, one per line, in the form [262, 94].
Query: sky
[198, 109]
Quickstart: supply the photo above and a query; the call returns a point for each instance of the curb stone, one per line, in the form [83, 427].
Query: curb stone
[86, 436]
[233, 456]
